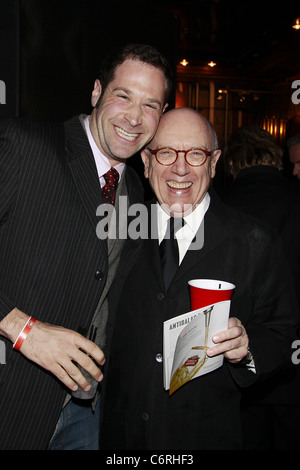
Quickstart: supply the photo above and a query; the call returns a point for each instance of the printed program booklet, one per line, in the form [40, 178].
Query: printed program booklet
[185, 341]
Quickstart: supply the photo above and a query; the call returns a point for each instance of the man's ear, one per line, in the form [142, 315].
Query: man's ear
[146, 161]
[96, 93]
[214, 161]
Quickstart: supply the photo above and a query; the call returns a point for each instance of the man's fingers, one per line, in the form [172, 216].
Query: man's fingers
[70, 375]
[74, 357]
[232, 342]
[235, 355]
[64, 377]
[65, 349]
[87, 364]
[91, 349]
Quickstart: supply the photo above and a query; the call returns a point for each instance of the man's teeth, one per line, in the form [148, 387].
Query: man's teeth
[126, 135]
[173, 184]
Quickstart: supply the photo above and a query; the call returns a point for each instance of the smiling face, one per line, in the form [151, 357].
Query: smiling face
[180, 187]
[129, 110]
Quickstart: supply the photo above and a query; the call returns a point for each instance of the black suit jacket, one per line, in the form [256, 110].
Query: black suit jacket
[205, 413]
[53, 266]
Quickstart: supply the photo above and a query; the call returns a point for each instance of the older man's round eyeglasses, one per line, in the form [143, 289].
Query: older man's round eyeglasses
[194, 157]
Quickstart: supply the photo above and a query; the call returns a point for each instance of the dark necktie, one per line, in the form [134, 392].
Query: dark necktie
[169, 250]
[110, 188]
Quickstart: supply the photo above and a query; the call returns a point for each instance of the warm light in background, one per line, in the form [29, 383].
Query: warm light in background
[277, 127]
[297, 24]
[220, 94]
[211, 64]
[184, 62]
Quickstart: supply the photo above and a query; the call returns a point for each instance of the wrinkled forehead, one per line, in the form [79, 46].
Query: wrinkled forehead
[183, 130]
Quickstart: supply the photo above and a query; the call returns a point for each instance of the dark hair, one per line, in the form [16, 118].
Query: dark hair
[250, 146]
[295, 140]
[143, 53]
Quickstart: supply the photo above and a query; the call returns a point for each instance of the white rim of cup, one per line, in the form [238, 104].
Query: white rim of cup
[211, 284]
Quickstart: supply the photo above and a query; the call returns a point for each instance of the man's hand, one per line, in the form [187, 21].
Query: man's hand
[56, 349]
[233, 342]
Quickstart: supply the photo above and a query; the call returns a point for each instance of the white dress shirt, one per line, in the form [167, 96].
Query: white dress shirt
[102, 162]
[187, 233]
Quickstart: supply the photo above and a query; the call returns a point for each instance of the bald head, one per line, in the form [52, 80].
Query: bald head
[185, 122]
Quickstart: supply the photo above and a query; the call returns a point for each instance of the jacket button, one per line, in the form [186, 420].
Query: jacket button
[159, 357]
[160, 296]
[145, 416]
[98, 275]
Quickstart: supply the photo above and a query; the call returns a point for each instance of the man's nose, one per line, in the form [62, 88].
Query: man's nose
[134, 115]
[181, 167]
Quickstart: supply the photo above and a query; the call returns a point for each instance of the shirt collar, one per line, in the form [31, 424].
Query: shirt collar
[102, 162]
[192, 220]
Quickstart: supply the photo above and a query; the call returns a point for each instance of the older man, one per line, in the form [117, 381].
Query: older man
[204, 413]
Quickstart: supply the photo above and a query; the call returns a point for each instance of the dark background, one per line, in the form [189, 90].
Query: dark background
[50, 49]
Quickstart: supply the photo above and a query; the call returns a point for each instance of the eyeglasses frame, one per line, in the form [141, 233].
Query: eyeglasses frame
[207, 154]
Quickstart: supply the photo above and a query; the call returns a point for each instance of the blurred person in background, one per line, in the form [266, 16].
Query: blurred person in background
[254, 161]
[293, 146]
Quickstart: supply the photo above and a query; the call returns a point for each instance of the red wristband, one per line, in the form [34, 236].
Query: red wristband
[23, 335]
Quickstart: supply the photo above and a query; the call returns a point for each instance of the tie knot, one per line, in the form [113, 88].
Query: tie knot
[111, 177]
[109, 190]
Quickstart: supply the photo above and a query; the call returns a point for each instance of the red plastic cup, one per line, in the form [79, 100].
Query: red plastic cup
[208, 291]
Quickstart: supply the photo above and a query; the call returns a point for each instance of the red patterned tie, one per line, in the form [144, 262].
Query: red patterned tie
[110, 188]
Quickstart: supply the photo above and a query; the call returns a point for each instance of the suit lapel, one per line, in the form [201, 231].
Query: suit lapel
[83, 169]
